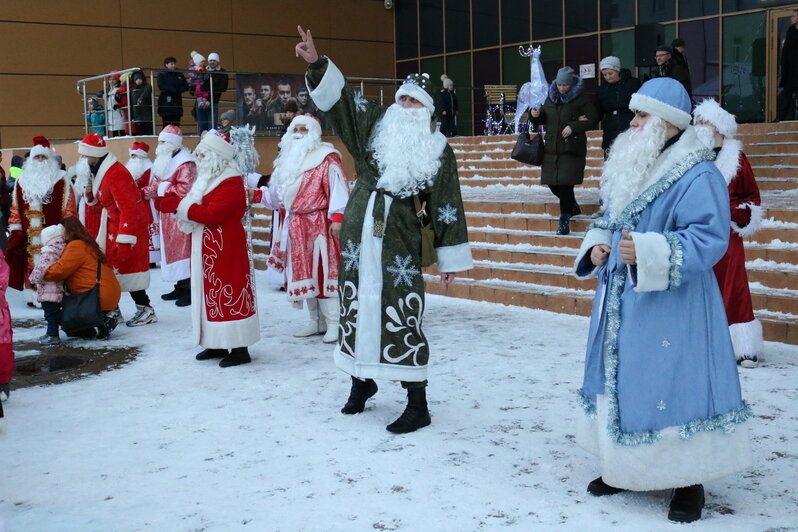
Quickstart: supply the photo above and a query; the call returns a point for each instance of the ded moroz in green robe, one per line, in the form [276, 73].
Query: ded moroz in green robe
[381, 287]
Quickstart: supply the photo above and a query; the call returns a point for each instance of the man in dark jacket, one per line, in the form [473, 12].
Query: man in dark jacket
[612, 100]
[447, 108]
[172, 85]
[788, 82]
[671, 66]
[219, 78]
[141, 104]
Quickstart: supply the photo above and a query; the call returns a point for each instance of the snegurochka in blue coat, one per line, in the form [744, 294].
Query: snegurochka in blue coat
[661, 390]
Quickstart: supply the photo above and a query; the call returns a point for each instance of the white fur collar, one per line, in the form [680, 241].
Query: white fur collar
[728, 160]
[315, 157]
[194, 197]
[107, 163]
[183, 156]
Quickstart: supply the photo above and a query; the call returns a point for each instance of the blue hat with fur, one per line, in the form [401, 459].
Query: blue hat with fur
[665, 98]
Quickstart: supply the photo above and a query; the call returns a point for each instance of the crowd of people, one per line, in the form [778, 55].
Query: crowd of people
[661, 392]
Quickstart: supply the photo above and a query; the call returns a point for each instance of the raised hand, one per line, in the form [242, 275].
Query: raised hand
[306, 49]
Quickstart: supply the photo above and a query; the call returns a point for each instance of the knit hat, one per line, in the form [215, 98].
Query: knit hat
[665, 98]
[711, 112]
[664, 48]
[41, 146]
[140, 149]
[677, 42]
[228, 115]
[171, 133]
[213, 56]
[52, 231]
[310, 122]
[197, 57]
[565, 76]
[610, 63]
[93, 145]
[218, 143]
[415, 86]
[17, 161]
[447, 82]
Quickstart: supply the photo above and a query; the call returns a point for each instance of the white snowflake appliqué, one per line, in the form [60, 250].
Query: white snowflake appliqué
[661, 406]
[666, 343]
[403, 271]
[447, 214]
[360, 101]
[351, 256]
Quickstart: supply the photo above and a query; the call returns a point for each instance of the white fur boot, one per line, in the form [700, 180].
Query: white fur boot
[329, 309]
[316, 323]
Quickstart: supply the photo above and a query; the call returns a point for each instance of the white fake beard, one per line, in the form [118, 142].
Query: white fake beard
[632, 155]
[137, 166]
[209, 168]
[406, 151]
[37, 180]
[163, 157]
[82, 175]
[294, 147]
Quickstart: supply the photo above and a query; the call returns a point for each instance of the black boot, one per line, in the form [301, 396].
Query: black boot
[416, 414]
[238, 356]
[686, 504]
[360, 392]
[576, 211]
[184, 300]
[184, 287]
[565, 227]
[208, 354]
[599, 488]
[174, 294]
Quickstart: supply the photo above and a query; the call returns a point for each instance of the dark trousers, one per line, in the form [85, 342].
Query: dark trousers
[448, 126]
[171, 120]
[408, 385]
[565, 193]
[144, 128]
[785, 104]
[140, 297]
[52, 315]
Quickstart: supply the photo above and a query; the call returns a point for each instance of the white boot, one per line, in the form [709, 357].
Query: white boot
[329, 309]
[316, 323]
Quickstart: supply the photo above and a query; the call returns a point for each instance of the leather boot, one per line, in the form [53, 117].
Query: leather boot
[565, 226]
[599, 488]
[416, 414]
[174, 294]
[237, 356]
[329, 311]
[686, 504]
[360, 392]
[184, 299]
[316, 324]
[208, 354]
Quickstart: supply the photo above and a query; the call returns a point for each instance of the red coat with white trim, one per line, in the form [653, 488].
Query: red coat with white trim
[123, 230]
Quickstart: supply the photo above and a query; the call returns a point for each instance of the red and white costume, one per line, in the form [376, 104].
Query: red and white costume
[30, 213]
[224, 306]
[140, 167]
[176, 181]
[123, 225]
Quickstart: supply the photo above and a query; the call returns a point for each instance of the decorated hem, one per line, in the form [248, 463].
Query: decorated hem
[587, 404]
[676, 260]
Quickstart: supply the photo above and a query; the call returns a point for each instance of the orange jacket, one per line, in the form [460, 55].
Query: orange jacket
[78, 268]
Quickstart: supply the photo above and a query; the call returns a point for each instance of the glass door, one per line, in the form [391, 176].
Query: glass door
[778, 22]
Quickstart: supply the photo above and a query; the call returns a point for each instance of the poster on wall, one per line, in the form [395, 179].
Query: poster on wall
[261, 100]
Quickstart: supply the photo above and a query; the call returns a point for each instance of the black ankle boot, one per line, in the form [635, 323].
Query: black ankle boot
[416, 414]
[208, 354]
[174, 294]
[686, 504]
[361, 391]
[237, 356]
[599, 488]
[565, 226]
[184, 300]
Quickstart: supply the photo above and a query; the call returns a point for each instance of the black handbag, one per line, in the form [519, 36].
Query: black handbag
[528, 150]
[82, 311]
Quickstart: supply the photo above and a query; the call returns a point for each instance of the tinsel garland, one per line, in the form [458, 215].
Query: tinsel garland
[677, 259]
[246, 157]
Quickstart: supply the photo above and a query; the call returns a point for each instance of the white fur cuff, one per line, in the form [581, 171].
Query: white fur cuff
[754, 224]
[328, 92]
[585, 269]
[653, 261]
[126, 239]
[454, 258]
[15, 227]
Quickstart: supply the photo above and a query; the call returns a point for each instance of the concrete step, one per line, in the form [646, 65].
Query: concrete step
[536, 238]
[777, 182]
[525, 222]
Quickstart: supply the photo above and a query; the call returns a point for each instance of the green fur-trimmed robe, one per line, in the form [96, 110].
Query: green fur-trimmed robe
[381, 287]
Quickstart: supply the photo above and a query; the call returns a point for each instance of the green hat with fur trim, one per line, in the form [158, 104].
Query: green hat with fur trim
[415, 86]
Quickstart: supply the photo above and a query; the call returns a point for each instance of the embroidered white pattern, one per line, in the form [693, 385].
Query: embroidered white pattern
[402, 270]
[447, 214]
[360, 101]
[220, 301]
[405, 317]
[666, 343]
[348, 309]
[661, 406]
[351, 256]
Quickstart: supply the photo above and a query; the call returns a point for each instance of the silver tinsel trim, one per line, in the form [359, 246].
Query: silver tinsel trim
[676, 260]
[725, 422]
[586, 403]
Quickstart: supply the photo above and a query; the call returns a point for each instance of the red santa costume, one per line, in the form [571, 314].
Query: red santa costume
[42, 196]
[746, 219]
[140, 167]
[309, 188]
[175, 170]
[224, 306]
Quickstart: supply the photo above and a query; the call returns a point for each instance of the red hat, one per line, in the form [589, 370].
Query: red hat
[93, 146]
[219, 143]
[171, 133]
[41, 146]
[41, 141]
[141, 149]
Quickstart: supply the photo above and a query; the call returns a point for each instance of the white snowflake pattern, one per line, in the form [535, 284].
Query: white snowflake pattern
[360, 101]
[447, 214]
[351, 256]
[666, 343]
[403, 271]
[661, 406]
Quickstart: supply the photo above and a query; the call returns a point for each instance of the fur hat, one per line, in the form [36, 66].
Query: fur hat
[52, 231]
[565, 76]
[197, 57]
[41, 146]
[171, 133]
[710, 111]
[93, 145]
[140, 149]
[610, 63]
[218, 143]
[415, 86]
[665, 98]
[310, 122]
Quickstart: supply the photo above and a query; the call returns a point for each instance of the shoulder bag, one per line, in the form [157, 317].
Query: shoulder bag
[528, 150]
[82, 311]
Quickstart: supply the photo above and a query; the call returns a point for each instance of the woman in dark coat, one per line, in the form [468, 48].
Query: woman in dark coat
[612, 100]
[565, 140]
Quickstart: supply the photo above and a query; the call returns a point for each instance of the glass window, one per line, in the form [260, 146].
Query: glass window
[486, 72]
[515, 67]
[730, 6]
[580, 16]
[697, 8]
[551, 57]
[621, 44]
[431, 27]
[433, 67]
[486, 32]
[406, 30]
[655, 10]
[744, 66]
[515, 21]
[459, 69]
[405, 68]
[616, 14]
[458, 33]
[702, 52]
[546, 19]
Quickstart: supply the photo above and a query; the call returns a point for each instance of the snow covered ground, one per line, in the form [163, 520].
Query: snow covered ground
[167, 443]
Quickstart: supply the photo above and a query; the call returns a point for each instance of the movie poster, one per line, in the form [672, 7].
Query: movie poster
[262, 100]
